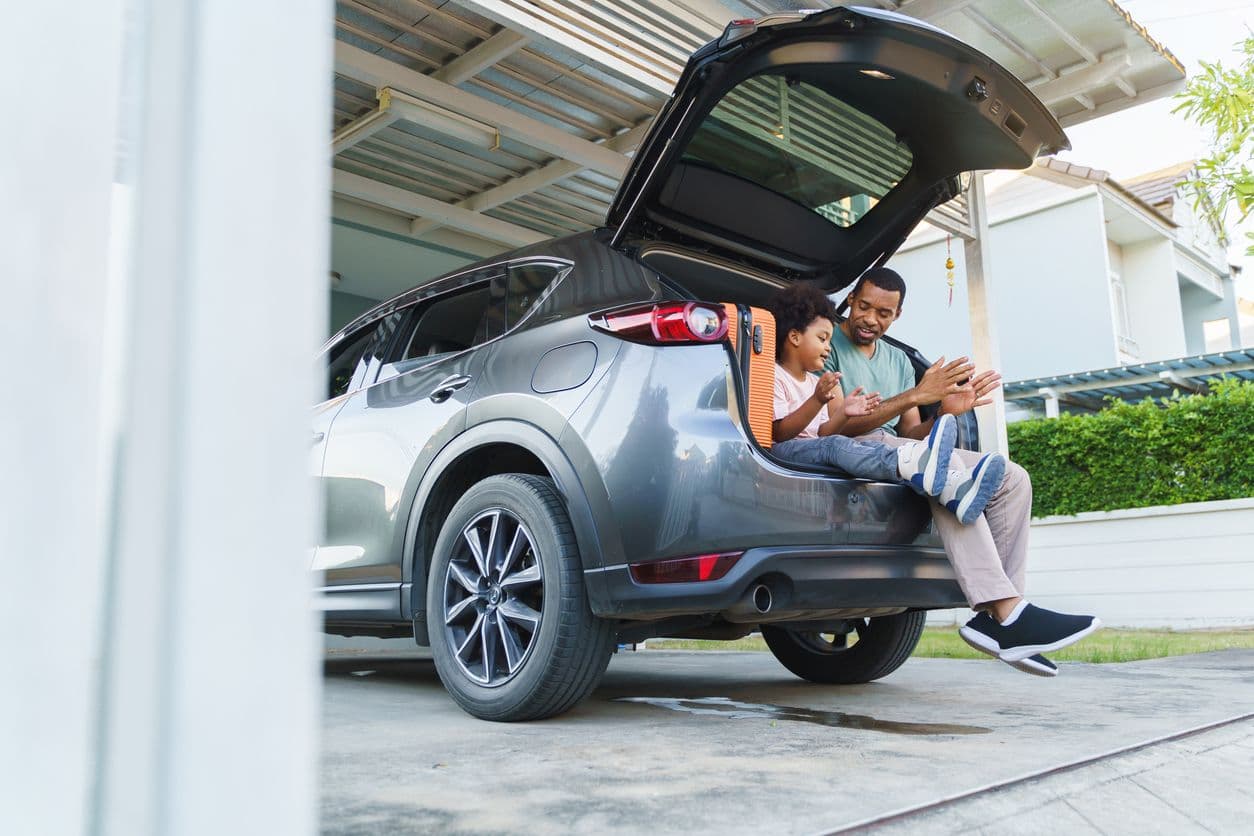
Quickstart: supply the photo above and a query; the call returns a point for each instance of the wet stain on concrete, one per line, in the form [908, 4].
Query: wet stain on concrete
[734, 710]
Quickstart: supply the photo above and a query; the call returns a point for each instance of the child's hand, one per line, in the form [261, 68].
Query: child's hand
[859, 403]
[828, 387]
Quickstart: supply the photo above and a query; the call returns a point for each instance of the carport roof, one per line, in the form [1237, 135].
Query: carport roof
[478, 125]
[1088, 390]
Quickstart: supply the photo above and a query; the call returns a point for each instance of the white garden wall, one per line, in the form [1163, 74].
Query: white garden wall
[1178, 566]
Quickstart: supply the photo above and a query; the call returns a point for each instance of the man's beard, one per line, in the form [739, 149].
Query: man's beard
[857, 339]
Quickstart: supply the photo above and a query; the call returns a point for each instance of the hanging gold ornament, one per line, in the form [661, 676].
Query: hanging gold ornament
[949, 268]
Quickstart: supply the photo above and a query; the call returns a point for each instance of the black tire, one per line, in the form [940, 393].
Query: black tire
[564, 655]
[883, 644]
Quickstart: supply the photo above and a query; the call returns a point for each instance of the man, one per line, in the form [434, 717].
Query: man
[989, 556]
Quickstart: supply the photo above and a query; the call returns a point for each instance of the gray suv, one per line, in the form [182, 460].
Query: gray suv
[567, 447]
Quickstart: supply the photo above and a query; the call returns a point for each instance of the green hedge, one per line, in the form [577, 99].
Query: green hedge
[1182, 449]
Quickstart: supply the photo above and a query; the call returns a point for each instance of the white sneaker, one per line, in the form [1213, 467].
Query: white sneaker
[967, 492]
[924, 465]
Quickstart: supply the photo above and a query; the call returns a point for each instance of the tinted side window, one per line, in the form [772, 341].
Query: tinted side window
[455, 321]
[529, 284]
[355, 349]
[343, 359]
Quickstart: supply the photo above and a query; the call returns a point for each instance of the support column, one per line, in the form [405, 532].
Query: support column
[1051, 401]
[56, 176]
[986, 351]
[170, 254]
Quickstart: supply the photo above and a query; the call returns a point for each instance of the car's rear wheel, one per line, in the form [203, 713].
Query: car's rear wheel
[511, 631]
[871, 648]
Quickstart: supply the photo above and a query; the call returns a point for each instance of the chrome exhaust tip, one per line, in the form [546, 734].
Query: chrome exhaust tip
[761, 597]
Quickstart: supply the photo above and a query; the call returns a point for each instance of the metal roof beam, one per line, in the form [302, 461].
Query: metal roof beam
[1083, 79]
[361, 128]
[469, 64]
[380, 72]
[416, 205]
[532, 181]
[546, 31]
[390, 222]
[1106, 108]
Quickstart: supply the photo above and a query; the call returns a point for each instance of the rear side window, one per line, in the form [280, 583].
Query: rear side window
[529, 285]
[804, 143]
[354, 351]
[456, 321]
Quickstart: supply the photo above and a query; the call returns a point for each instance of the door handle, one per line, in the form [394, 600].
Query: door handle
[447, 387]
[317, 437]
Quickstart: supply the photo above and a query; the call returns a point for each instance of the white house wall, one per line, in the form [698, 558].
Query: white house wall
[1199, 307]
[1049, 292]
[1153, 295]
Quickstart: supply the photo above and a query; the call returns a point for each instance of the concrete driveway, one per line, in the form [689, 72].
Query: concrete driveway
[710, 742]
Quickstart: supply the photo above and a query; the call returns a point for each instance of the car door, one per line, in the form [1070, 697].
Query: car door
[343, 365]
[414, 402]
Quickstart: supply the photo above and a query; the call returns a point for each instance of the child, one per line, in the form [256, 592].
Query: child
[810, 411]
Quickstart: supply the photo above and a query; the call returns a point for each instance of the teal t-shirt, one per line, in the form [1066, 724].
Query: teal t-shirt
[887, 371]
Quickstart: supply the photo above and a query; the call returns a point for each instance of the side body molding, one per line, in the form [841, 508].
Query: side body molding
[577, 487]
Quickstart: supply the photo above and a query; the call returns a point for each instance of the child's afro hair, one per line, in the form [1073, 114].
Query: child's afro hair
[795, 308]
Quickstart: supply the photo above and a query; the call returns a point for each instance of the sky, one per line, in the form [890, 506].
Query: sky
[1194, 31]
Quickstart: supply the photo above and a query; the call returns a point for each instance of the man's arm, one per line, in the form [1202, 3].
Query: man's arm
[940, 380]
[882, 414]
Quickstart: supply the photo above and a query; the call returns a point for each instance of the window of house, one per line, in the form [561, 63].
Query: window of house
[1123, 323]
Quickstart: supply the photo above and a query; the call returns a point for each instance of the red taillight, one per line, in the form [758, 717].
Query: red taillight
[665, 323]
[701, 567]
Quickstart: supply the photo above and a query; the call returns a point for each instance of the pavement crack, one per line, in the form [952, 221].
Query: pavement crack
[1169, 804]
[1087, 820]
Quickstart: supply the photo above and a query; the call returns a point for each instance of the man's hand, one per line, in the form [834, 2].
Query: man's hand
[828, 387]
[942, 380]
[971, 394]
[858, 403]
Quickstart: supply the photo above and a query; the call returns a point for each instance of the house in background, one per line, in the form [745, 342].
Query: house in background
[1086, 273]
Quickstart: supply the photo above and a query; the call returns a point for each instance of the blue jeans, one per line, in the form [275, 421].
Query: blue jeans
[857, 458]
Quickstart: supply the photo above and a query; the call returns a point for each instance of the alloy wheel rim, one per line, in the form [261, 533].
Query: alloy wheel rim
[493, 598]
[833, 644]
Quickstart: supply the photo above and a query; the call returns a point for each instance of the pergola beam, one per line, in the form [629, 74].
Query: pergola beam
[416, 205]
[1140, 379]
[531, 181]
[380, 72]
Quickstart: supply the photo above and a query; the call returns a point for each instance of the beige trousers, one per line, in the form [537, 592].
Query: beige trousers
[990, 556]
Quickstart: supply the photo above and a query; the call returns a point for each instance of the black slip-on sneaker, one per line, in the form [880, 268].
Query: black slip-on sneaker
[1036, 665]
[1034, 631]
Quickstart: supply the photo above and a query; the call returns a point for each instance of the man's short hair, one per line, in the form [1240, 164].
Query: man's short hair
[885, 279]
[795, 307]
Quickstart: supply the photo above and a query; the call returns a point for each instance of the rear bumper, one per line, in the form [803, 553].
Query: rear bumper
[801, 580]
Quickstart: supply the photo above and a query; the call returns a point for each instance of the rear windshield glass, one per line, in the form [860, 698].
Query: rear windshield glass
[804, 143]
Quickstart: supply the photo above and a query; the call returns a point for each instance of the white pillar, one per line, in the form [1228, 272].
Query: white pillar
[986, 351]
[56, 171]
[1051, 401]
[157, 614]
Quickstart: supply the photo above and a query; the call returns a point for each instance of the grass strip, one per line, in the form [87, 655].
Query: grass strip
[1106, 645]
